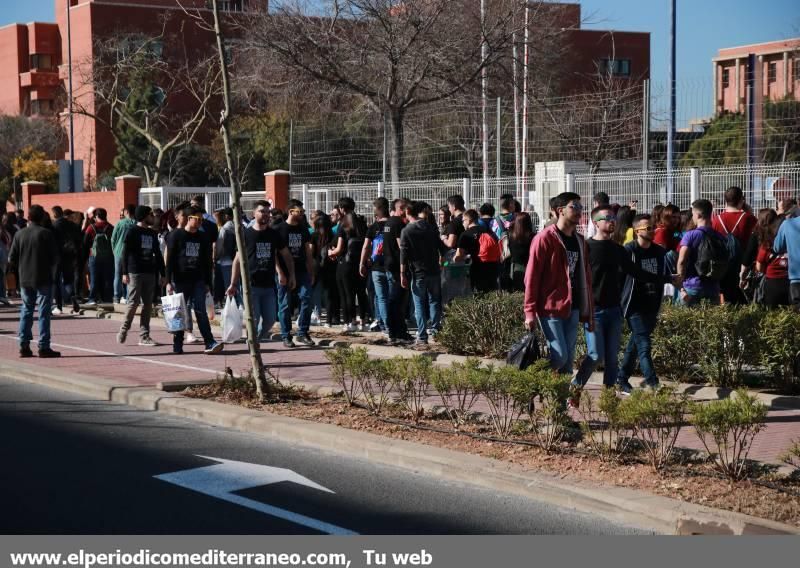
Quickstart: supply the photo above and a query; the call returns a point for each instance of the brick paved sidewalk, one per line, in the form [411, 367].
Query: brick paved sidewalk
[89, 348]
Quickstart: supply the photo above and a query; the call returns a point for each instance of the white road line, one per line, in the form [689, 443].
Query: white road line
[131, 357]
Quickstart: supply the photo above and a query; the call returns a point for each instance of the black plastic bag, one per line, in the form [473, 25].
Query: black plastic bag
[525, 352]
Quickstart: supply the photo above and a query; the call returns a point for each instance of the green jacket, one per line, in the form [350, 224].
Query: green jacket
[118, 235]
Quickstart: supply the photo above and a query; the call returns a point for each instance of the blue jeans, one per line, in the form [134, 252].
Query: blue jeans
[120, 290]
[316, 298]
[303, 290]
[642, 326]
[695, 299]
[195, 295]
[561, 335]
[264, 310]
[35, 298]
[427, 292]
[227, 274]
[380, 283]
[101, 278]
[602, 346]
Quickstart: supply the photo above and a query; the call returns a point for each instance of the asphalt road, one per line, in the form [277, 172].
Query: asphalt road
[76, 466]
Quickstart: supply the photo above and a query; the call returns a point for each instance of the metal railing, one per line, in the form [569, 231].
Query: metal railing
[214, 197]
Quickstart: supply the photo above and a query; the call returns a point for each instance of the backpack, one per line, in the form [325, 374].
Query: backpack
[713, 258]
[377, 248]
[501, 228]
[488, 248]
[732, 243]
[101, 246]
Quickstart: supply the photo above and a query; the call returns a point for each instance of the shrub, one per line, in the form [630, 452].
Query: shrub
[792, 456]
[549, 419]
[503, 388]
[728, 338]
[456, 386]
[655, 418]
[604, 431]
[485, 325]
[375, 379]
[676, 344]
[412, 379]
[341, 361]
[780, 347]
[727, 429]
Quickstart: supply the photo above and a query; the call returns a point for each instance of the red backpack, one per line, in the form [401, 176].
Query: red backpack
[488, 247]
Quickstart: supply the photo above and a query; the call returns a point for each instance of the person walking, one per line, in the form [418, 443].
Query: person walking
[480, 244]
[352, 287]
[142, 270]
[33, 255]
[702, 253]
[189, 271]
[262, 244]
[294, 232]
[100, 254]
[521, 236]
[558, 282]
[787, 241]
[774, 267]
[118, 236]
[68, 240]
[735, 224]
[374, 261]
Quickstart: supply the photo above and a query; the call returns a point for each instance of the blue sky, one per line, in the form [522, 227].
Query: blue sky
[703, 27]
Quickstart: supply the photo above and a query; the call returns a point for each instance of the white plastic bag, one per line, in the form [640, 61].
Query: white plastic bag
[174, 308]
[232, 319]
[210, 306]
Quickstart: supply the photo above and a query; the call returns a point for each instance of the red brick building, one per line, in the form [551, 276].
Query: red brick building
[778, 73]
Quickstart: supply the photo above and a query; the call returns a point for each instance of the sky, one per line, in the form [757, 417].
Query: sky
[704, 26]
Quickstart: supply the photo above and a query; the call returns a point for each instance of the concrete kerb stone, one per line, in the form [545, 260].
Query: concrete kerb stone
[627, 506]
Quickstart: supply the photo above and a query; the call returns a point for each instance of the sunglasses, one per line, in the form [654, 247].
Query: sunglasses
[298, 211]
[609, 218]
[648, 228]
[198, 217]
[575, 206]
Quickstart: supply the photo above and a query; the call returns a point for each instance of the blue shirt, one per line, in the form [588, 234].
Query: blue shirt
[788, 241]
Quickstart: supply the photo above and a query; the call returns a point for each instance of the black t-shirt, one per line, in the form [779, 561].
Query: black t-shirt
[296, 237]
[210, 229]
[189, 257]
[573, 247]
[262, 248]
[647, 296]
[469, 241]
[377, 245]
[520, 250]
[608, 261]
[391, 249]
[142, 252]
[455, 227]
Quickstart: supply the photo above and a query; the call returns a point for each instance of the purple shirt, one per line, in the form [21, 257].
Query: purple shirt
[693, 284]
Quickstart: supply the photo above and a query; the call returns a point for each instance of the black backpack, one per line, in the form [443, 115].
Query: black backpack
[713, 257]
[732, 244]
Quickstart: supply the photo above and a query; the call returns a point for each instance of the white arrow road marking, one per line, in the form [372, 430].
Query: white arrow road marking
[222, 479]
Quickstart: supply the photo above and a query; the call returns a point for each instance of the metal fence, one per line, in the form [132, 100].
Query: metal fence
[214, 197]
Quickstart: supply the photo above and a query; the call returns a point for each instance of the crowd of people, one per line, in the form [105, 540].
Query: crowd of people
[338, 270]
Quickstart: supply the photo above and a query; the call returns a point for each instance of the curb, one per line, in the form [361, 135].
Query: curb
[626, 506]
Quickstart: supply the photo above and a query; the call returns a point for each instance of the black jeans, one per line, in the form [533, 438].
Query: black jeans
[794, 292]
[327, 275]
[776, 292]
[351, 288]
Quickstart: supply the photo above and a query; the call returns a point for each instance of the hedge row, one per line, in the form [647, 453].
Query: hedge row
[719, 345]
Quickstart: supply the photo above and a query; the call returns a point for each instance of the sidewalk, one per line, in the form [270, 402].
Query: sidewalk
[89, 348]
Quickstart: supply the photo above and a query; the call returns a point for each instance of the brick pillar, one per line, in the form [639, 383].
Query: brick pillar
[127, 188]
[277, 188]
[29, 189]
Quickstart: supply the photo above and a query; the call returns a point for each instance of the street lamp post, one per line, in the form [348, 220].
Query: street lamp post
[671, 131]
[71, 183]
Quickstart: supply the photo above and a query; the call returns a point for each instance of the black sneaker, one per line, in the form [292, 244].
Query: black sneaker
[25, 352]
[305, 340]
[48, 354]
[288, 342]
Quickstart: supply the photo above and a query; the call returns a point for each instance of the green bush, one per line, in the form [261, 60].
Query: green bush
[727, 429]
[792, 456]
[412, 379]
[728, 337]
[375, 378]
[656, 419]
[605, 433]
[549, 418]
[458, 389]
[677, 344]
[342, 359]
[485, 325]
[780, 347]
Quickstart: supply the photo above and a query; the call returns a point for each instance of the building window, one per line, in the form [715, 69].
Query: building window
[726, 78]
[42, 62]
[41, 107]
[772, 72]
[621, 67]
[797, 69]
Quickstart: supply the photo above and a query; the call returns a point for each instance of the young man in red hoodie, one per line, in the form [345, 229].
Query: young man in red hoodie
[558, 282]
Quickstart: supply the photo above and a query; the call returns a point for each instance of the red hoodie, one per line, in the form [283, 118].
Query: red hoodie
[548, 292]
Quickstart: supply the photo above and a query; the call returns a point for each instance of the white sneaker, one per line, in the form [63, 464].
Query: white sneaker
[375, 326]
[56, 312]
[123, 301]
[190, 338]
[349, 328]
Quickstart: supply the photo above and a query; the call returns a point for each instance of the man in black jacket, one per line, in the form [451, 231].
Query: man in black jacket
[142, 267]
[34, 255]
[68, 240]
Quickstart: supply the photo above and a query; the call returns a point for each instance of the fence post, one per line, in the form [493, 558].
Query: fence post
[163, 197]
[694, 185]
[467, 183]
[381, 189]
[305, 195]
[571, 183]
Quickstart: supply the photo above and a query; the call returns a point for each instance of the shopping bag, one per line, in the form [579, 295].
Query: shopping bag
[210, 306]
[525, 352]
[174, 308]
[231, 321]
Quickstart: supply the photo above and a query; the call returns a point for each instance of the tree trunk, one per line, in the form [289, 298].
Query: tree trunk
[259, 376]
[396, 118]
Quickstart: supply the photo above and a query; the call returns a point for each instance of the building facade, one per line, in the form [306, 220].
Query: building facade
[777, 73]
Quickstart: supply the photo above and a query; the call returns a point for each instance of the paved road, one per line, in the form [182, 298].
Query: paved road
[77, 466]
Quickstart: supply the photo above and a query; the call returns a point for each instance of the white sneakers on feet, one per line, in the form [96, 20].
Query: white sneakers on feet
[56, 312]
[190, 338]
[349, 328]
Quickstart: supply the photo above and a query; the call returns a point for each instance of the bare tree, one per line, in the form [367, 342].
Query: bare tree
[20, 132]
[396, 55]
[137, 87]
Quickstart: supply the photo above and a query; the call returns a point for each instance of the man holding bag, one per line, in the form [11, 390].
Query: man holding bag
[261, 244]
[141, 266]
[189, 271]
